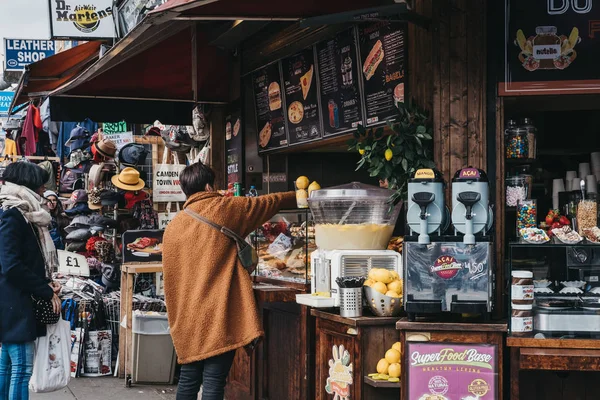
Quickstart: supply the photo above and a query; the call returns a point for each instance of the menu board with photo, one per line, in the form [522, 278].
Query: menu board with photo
[269, 104]
[382, 51]
[341, 101]
[234, 144]
[301, 97]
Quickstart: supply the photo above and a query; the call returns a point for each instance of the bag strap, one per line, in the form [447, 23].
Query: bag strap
[225, 231]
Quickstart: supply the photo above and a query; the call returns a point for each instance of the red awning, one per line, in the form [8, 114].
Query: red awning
[44, 76]
[262, 9]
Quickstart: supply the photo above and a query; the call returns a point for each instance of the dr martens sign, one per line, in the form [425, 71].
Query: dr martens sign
[82, 19]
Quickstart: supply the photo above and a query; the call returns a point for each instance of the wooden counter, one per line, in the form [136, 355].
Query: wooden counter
[366, 339]
[281, 365]
[454, 332]
[554, 368]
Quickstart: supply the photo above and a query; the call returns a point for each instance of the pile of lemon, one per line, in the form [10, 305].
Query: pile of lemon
[385, 282]
[388, 368]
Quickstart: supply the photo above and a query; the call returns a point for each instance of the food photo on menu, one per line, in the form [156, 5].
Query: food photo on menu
[142, 246]
[268, 98]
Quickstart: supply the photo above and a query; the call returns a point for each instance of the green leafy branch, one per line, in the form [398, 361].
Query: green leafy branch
[396, 156]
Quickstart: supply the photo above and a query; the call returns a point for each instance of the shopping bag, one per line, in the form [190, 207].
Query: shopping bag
[52, 363]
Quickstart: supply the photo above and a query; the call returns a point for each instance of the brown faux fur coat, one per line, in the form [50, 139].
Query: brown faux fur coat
[210, 301]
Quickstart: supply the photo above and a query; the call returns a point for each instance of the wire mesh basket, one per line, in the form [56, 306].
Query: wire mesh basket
[382, 305]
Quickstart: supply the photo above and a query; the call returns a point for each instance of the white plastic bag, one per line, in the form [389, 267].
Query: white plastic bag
[52, 363]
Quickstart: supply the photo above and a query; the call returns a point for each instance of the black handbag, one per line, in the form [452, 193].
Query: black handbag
[44, 312]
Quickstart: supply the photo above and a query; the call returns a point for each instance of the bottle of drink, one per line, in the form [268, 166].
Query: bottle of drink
[253, 192]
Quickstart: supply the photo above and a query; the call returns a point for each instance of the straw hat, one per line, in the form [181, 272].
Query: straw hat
[128, 179]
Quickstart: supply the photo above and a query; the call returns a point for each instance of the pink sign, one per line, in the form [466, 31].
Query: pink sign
[449, 371]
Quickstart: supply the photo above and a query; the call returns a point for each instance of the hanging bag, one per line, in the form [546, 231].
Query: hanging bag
[246, 253]
[52, 363]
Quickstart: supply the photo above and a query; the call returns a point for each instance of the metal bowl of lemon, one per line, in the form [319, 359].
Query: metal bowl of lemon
[382, 305]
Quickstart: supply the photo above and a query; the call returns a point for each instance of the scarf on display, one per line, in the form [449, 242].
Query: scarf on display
[29, 204]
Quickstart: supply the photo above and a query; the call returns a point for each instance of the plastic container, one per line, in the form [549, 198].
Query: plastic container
[587, 215]
[526, 214]
[531, 139]
[516, 190]
[517, 145]
[154, 357]
[353, 217]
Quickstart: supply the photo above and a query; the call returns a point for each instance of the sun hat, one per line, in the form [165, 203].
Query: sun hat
[132, 155]
[128, 179]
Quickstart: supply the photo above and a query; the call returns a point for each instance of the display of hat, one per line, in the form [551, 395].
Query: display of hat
[105, 147]
[128, 179]
[94, 201]
[96, 174]
[79, 138]
[110, 198]
[132, 198]
[79, 235]
[79, 222]
[80, 208]
[176, 138]
[154, 131]
[100, 220]
[75, 247]
[78, 196]
[111, 275]
[77, 157]
[132, 155]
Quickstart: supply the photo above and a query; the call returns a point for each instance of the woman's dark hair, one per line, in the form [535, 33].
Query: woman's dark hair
[59, 214]
[26, 174]
[195, 177]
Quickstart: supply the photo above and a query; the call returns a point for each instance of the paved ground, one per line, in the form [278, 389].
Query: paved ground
[107, 388]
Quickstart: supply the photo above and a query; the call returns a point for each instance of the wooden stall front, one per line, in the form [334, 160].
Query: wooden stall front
[366, 339]
[474, 334]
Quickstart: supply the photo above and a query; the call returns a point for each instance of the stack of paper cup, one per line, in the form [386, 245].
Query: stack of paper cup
[558, 185]
[584, 170]
[591, 184]
[595, 157]
[569, 178]
[576, 184]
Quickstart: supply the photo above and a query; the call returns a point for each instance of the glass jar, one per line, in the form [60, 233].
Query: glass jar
[546, 46]
[516, 143]
[587, 214]
[522, 287]
[526, 215]
[516, 190]
[524, 171]
[531, 142]
[521, 320]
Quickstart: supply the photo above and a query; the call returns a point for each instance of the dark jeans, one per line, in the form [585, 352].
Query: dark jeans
[210, 373]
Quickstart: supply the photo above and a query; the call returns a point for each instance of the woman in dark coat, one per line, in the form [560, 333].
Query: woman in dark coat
[27, 257]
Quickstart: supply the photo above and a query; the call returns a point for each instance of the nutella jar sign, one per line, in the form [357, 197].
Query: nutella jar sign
[269, 104]
[382, 51]
[553, 47]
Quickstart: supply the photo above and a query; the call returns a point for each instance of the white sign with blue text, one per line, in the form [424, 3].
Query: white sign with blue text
[19, 53]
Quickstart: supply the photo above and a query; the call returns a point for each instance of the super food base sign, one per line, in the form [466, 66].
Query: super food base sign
[19, 53]
[448, 371]
[551, 47]
[82, 19]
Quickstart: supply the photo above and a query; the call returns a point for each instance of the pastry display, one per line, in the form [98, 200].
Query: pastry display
[534, 235]
[567, 235]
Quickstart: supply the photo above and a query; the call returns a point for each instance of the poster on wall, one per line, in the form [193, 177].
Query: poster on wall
[341, 100]
[82, 19]
[234, 144]
[301, 97]
[165, 185]
[382, 52]
[142, 246]
[552, 47]
[268, 100]
[445, 371]
[19, 53]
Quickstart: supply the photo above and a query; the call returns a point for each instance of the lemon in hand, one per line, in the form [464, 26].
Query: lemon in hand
[302, 182]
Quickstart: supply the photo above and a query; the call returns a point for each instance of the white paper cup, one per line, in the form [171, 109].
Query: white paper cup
[555, 202]
[584, 170]
[575, 184]
[591, 184]
[570, 176]
[558, 185]
[595, 160]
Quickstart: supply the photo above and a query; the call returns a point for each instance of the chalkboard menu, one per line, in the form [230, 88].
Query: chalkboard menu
[301, 97]
[341, 102]
[552, 47]
[234, 144]
[269, 103]
[382, 51]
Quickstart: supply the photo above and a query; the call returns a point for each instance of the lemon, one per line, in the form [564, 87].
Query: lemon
[301, 194]
[369, 282]
[382, 366]
[391, 293]
[397, 346]
[381, 275]
[383, 377]
[313, 186]
[302, 182]
[395, 275]
[394, 370]
[380, 287]
[393, 379]
[361, 152]
[388, 154]
[395, 286]
[392, 356]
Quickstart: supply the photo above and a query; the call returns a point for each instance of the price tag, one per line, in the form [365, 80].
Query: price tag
[72, 264]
